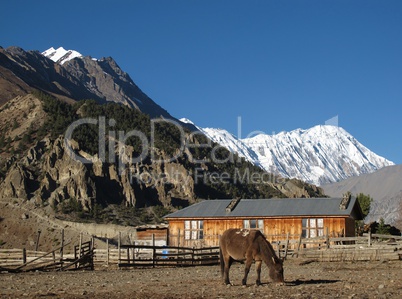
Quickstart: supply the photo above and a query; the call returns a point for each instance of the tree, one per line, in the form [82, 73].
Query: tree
[2, 142]
[383, 229]
[365, 203]
[15, 124]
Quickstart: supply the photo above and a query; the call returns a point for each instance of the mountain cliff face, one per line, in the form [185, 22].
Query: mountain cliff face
[55, 170]
[72, 76]
[322, 154]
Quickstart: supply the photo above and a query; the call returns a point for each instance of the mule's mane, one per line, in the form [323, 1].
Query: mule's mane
[268, 252]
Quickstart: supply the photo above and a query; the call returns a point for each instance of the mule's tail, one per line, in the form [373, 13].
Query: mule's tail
[221, 261]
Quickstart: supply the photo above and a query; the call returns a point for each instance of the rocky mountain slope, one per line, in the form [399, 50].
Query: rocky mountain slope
[384, 186]
[72, 77]
[319, 155]
[49, 173]
[40, 163]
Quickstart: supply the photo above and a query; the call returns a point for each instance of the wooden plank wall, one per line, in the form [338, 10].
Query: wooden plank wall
[213, 228]
[146, 234]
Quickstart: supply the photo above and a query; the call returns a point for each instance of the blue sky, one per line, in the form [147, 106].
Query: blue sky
[280, 65]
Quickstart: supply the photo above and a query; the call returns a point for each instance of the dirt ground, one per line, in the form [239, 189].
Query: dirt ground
[303, 280]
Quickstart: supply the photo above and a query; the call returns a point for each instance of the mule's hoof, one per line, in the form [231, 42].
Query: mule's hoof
[228, 285]
[244, 285]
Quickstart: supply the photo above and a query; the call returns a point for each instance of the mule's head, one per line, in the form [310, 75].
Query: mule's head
[276, 271]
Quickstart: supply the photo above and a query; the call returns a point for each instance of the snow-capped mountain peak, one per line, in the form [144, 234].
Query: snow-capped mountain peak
[319, 155]
[61, 55]
[186, 121]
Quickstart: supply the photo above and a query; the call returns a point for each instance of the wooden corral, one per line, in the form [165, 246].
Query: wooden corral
[370, 247]
[156, 256]
[22, 260]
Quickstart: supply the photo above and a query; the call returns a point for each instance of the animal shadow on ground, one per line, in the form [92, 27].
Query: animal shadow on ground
[298, 282]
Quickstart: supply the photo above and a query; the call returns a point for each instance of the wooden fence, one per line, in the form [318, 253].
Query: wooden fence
[22, 260]
[134, 255]
[146, 254]
[155, 256]
[367, 247]
[87, 256]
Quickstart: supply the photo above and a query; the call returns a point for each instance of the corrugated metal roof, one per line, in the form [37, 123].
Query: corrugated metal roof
[267, 208]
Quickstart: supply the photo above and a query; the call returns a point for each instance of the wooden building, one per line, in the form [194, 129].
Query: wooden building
[151, 234]
[201, 224]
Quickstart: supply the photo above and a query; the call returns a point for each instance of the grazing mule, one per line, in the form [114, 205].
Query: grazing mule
[248, 245]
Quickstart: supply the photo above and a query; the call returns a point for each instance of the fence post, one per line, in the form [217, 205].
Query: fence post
[79, 250]
[178, 241]
[299, 244]
[118, 249]
[24, 256]
[62, 248]
[133, 249]
[369, 237]
[153, 251]
[80, 246]
[178, 237]
[327, 238]
[107, 251]
[92, 251]
[37, 241]
[279, 248]
[286, 246]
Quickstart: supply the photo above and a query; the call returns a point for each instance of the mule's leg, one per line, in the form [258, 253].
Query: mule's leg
[228, 262]
[246, 270]
[258, 270]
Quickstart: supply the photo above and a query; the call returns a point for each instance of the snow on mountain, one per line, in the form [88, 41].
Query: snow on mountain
[61, 55]
[227, 140]
[186, 121]
[319, 155]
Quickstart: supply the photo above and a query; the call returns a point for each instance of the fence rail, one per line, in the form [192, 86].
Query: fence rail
[366, 247]
[155, 256]
[22, 260]
[85, 255]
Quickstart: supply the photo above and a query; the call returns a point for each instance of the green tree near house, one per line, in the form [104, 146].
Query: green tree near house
[365, 204]
[383, 229]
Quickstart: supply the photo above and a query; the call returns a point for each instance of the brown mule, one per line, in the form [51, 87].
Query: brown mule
[248, 245]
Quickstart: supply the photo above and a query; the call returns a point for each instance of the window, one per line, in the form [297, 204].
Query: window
[193, 229]
[254, 223]
[312, 227]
